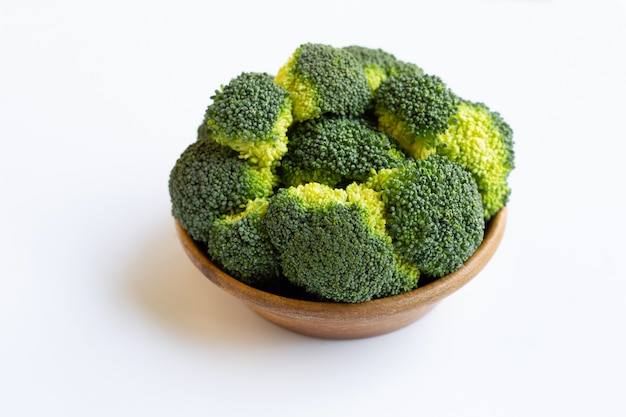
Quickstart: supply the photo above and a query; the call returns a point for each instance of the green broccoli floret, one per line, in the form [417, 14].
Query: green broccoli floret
[209, 180]
[482, 142]
[322, 79]
[415, 109]
[240, 245]
[380, 65]
[332, 150]
[251, 114]
[434, 213]
[333, 243]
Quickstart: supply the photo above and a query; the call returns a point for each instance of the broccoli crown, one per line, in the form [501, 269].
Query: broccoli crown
[434, 213]
[380, 65]
[332, 150]
[482, 142]
[240, 245]
[350, 175]
[323, 79]
[415, 110]
[333, 243]
[251, 114]
[209, 180]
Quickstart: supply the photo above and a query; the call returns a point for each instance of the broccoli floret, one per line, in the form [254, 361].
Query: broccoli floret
[322, 79]
[434, 213]
[482, 142]
[209, 180]
[251, 114]
[415, 109]
[332, 150]
[380, 65]
[333, 242]
[240, 245]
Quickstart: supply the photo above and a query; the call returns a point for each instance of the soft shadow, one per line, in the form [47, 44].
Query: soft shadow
[163, 282]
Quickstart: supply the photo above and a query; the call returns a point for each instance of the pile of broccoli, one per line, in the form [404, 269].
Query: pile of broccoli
[348, 176]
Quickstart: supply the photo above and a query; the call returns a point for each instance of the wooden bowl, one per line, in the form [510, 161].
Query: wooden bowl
[331, 320]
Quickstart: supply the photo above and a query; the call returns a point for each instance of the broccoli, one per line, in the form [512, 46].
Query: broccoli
[240, 245]
[349, 176]
[333, 243]
[251, 114]
[380, 65]
[334, 150]
[209, 180]
[482, 142]
[434, 213]
[415, 109]
[322, 79]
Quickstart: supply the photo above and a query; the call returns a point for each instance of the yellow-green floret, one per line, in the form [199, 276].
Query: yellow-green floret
[209, 180]
[336, 150]
[251, 114]
[240, 245]
[380, 65]
[482, 142]
[415, 109]
[333, 243]
[323, 79]
[434, 213]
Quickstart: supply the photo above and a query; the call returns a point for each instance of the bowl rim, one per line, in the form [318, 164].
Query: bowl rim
[420, 297]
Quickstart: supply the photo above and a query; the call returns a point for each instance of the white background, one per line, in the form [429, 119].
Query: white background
[102, 314]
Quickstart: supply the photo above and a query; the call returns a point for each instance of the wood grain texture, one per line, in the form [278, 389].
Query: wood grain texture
[343, 320]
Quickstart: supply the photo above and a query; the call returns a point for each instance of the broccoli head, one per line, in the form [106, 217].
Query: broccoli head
[482, 142]
[322, 79]
[434, 213]
[414, 109]
[380, 65]
[332, 150]
[348, 176]
[251, 114]
[240, 245]
[333, 242]
[209, 180]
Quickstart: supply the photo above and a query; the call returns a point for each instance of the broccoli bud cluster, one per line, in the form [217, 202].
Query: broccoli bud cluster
[348, 176]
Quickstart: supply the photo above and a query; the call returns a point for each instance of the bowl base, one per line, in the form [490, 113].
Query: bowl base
[343, 330]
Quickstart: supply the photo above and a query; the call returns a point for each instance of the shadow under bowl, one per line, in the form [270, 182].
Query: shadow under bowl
[330, 320]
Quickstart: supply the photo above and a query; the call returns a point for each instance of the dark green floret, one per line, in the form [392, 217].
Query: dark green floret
[251, 114]
[334, 150]
[434, 213]
[380, 65]
[209, 180]
[482, 142]
[415, 109]
[333, 243]
[240, 245]
[322, 79]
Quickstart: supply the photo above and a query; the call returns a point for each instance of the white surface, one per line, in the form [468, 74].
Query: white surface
[101, 313]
